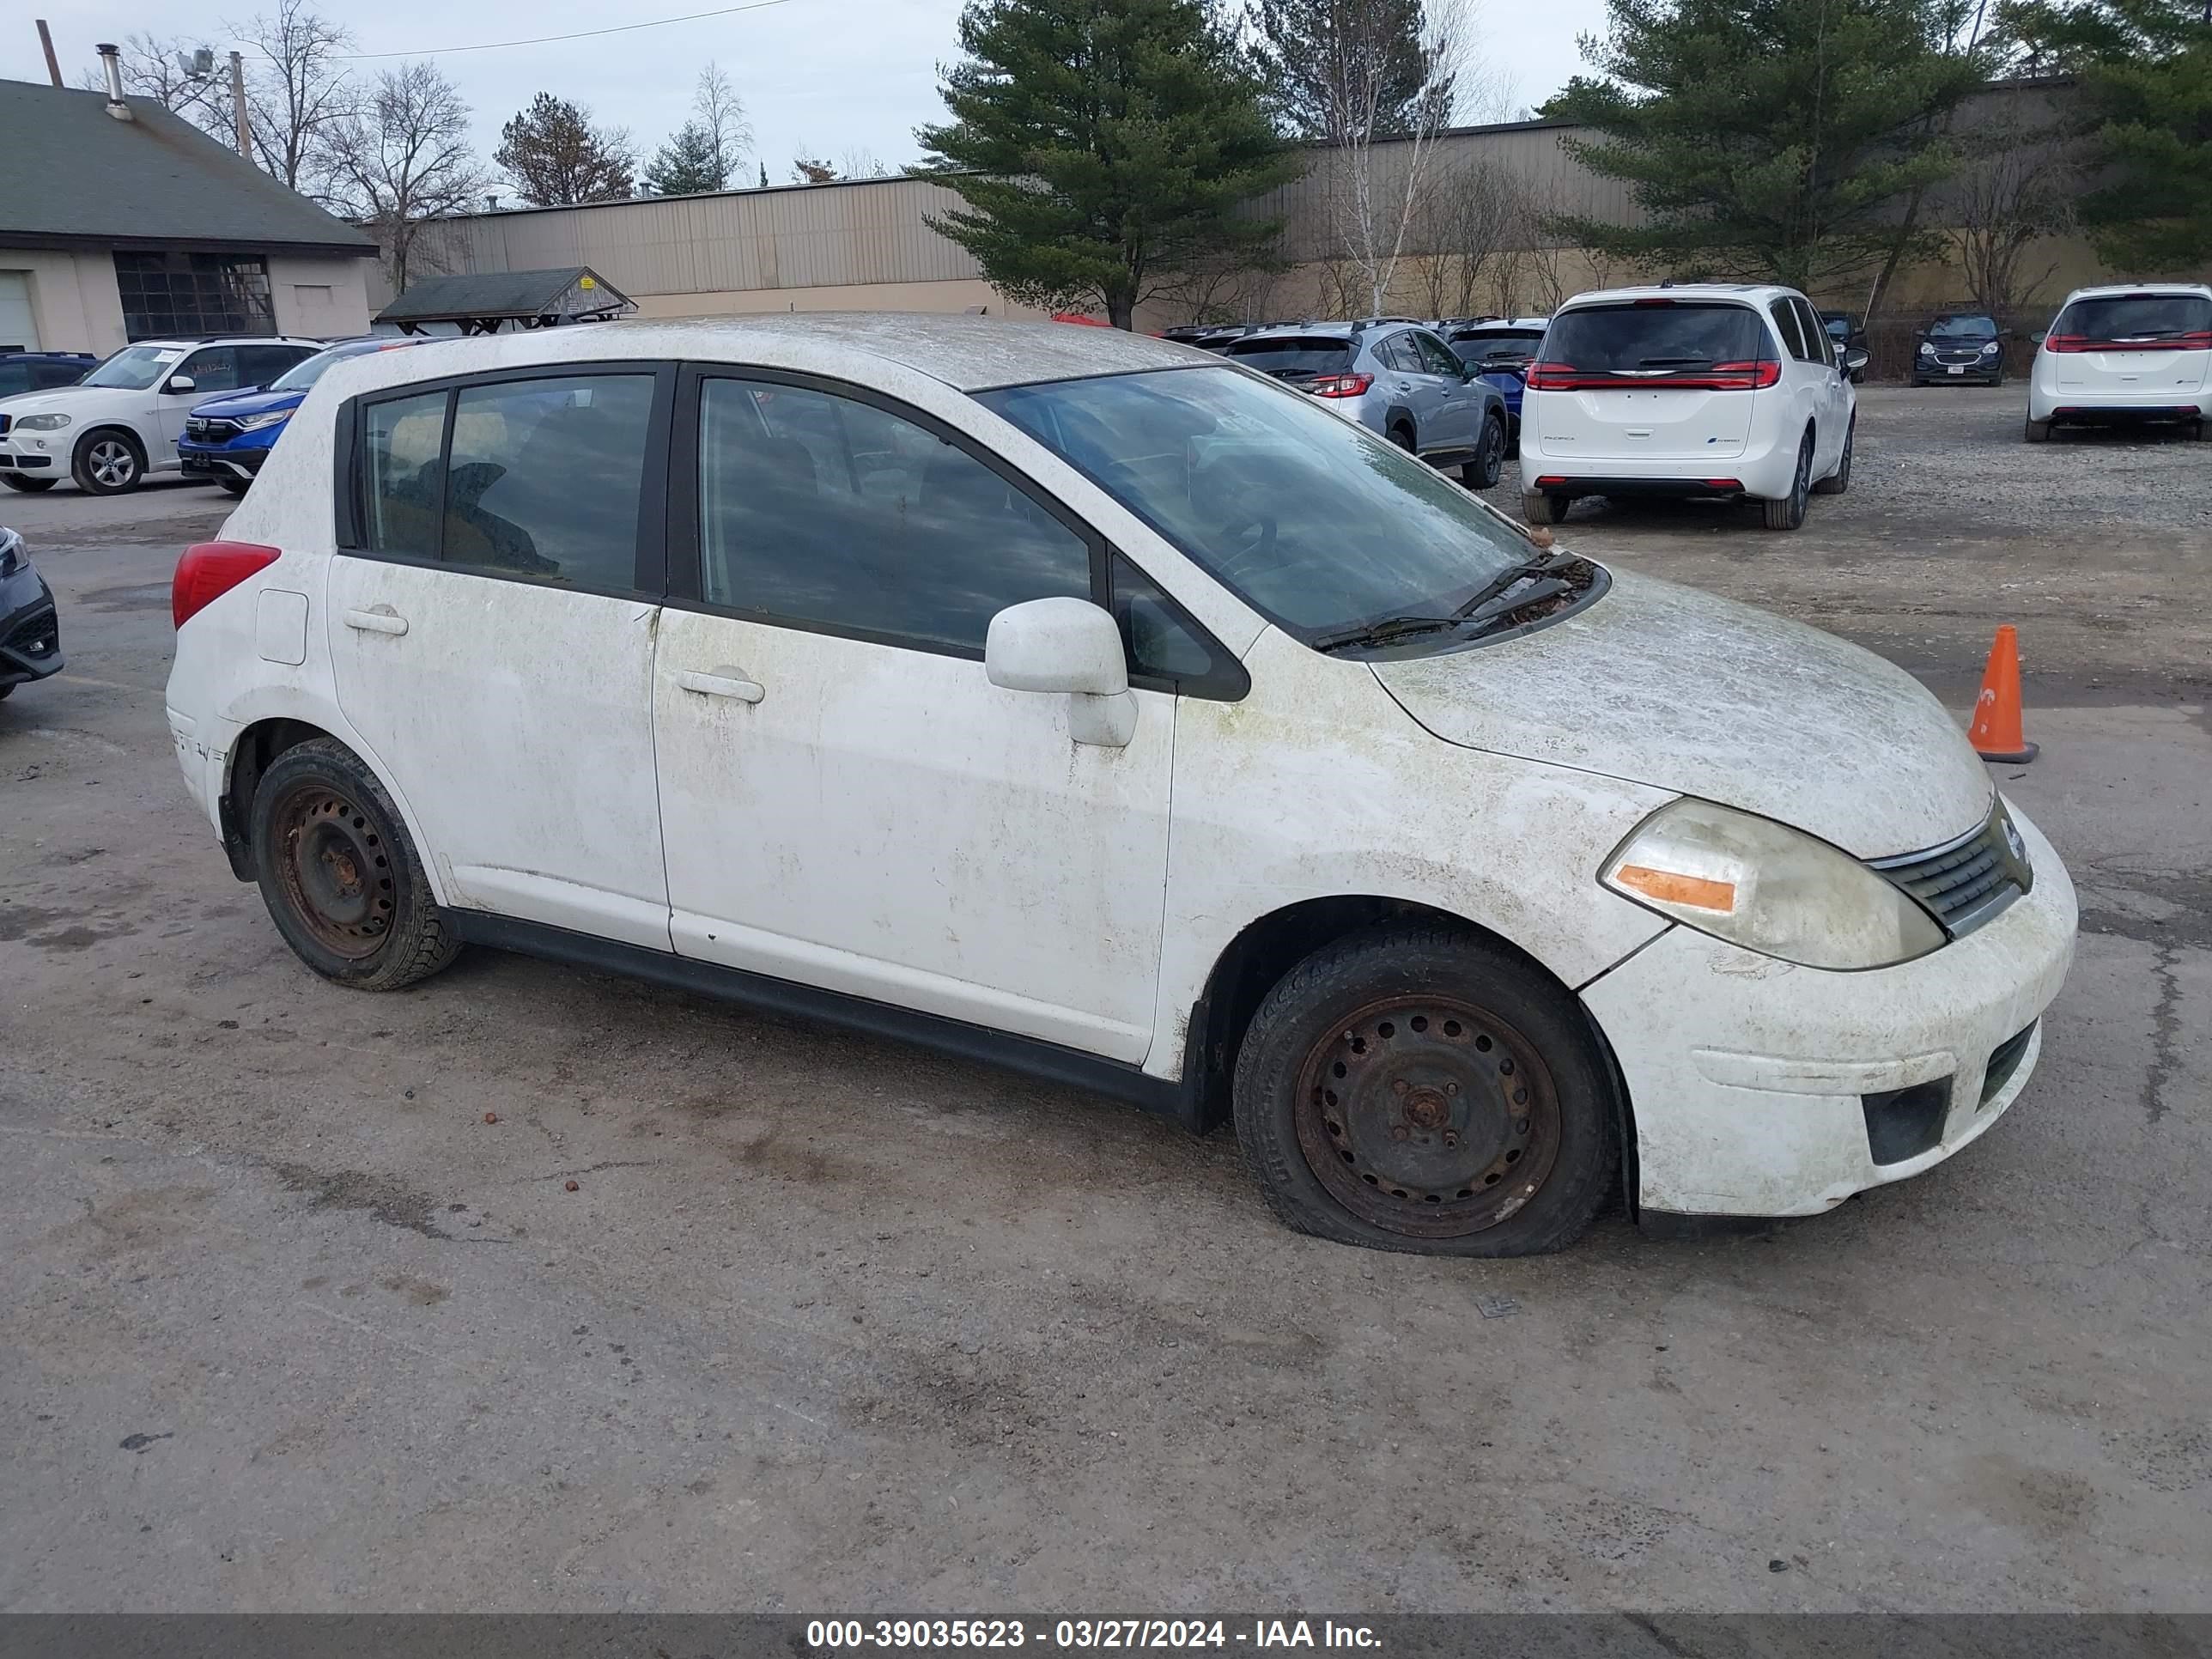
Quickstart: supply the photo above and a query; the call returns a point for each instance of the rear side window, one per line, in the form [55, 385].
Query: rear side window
[1294, 357]
[1816, 341]
[1792, 331]
[818, 509]
[265, 365]
[540, 479]
[2139, 319]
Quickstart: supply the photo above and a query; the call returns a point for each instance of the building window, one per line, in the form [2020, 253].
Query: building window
[183, 295]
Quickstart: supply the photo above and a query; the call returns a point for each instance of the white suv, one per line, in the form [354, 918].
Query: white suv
[2135, 352]
[122, 421]
[1083, 702]
[1690, 389]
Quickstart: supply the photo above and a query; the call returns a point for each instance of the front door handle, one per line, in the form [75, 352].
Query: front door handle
[722, 683]
[377, 619]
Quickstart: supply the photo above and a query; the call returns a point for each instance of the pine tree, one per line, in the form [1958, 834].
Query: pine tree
[1773, 140]
[1099, 145]
[686, 164]
[2144, 68]
[1305, 51]
[557, 158]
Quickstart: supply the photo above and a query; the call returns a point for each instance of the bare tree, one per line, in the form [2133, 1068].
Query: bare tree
[1376, 183]
[404, 158]
[862, 162]
[2018, 187]
[721, 117]
[156, 68]
[297, 94]
[1467, 215]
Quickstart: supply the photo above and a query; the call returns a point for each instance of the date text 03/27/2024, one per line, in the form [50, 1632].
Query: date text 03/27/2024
[833, 1635]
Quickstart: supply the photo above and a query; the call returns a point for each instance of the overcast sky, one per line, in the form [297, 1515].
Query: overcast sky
[832, 75]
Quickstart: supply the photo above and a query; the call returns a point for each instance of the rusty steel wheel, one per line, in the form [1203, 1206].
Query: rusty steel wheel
[1419, 1085]
[341, 879]
[1428, 1116]
[335, 869]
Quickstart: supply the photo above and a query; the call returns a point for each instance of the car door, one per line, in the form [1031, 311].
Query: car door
[1461, 403]
[212, 371]
[1800, 377]
[846, 799]
[491, 618]
[1837, 400]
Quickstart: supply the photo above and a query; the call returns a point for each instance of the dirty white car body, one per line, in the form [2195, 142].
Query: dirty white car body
[1025, 855]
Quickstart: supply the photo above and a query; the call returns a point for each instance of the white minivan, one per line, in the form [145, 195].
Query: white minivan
[1082, 703]
[1686, 389]
[2127, 354]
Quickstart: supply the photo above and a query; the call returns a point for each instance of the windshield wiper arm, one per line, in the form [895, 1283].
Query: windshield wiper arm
[1481, 608]
[1385, 631]
[1506, 578]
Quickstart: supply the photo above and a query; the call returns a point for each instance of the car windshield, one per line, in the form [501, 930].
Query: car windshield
[1654, 334]
[2136, 317]
[1316, 523]
[1839, 328]
[1963, 328]
[1303, 356]
[136, 367]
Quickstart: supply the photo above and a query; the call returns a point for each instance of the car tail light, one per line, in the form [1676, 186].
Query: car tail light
[1340, 386]
[1547, 480]
[209, 570]
[1745, 376]
[1722, 483]
[2200, 340]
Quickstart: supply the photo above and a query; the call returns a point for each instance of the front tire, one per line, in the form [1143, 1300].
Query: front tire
[1788, 513]
[1488, 463]
[1419, 1087]
[341, 878]
[25, 484]
[108, 462]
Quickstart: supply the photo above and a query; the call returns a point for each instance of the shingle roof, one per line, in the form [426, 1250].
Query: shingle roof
[75, 174]
[502, 294]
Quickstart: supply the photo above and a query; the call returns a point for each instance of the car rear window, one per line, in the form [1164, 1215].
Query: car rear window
[1496, 343]
[1664, 334]
[2136, 317]
[1294, 356]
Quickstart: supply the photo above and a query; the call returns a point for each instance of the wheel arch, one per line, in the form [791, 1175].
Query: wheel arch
[1397, 417]
[256, 746]
[1264, 950]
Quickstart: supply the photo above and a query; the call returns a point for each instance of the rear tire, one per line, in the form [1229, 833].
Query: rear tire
[1488, 463]
[108, 461]
[1788, 513]
[341, 878]
[1540, 508]
[1841, 480]
[1402, 435]
[1419, 1087]
[25, 482]
[2038, 432]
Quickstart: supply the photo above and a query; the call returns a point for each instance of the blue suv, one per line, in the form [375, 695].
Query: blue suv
[227, 439]
[1395, 378]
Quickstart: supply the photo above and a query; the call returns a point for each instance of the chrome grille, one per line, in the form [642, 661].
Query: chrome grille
[211, 432]
[1964, 882]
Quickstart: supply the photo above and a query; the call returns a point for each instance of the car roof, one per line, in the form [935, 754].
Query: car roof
[192, 343]
[2105, 290]
[1744, 293]
[970, 353]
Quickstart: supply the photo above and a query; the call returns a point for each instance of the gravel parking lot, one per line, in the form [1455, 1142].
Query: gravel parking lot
[829, 1325]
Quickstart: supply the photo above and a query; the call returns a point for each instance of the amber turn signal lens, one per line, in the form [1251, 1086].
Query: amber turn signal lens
[1673, 888]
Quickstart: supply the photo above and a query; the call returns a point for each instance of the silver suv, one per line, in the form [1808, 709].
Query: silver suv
[1394, 378]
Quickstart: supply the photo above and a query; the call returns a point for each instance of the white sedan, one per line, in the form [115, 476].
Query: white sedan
[1081, 703]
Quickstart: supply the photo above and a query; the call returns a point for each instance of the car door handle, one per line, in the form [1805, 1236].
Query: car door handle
[377, 619]
[722, 683]
[1405, 385]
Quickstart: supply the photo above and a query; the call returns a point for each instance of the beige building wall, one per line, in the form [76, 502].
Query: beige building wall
[321, 298]
[74, 300]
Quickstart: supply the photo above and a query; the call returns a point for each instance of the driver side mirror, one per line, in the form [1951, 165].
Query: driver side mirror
[1067, 645]
[183, 383]
[1855, 360]
[1470, 370]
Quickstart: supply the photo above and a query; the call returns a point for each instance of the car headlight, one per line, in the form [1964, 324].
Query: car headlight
[1927, 350]
[1990, 349]
[1768, 888]
[40, 422]
[273, 417]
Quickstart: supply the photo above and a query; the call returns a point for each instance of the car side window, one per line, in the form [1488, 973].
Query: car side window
[212, 368]
[1398, 353]
[1163, 644]
[1786, 320]
[1436, 357]
[1818, 347]
[401, 477]
[544, 478]
[260, 365]
[816, 508]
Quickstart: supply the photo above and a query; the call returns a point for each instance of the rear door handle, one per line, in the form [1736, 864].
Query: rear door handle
[722, 683]
[377, 619]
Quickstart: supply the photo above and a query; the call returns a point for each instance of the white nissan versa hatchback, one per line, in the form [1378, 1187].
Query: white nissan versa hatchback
[1685, 389]
[1081, 701]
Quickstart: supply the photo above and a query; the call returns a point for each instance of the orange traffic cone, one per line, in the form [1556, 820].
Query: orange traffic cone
[1995, 732]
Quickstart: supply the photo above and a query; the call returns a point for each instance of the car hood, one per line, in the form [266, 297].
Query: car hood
[237, 406]
[79, 400]
[1669, 686]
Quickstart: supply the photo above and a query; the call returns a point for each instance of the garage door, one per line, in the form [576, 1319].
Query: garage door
[18, 331]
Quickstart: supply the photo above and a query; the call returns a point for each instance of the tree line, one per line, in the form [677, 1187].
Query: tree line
[1107, 153]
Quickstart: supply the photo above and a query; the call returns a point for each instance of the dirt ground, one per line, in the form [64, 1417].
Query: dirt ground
[831, 1326]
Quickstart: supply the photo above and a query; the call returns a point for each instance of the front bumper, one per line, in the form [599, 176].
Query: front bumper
[30, 630]
[20, 457]
[1758, 1086]
[211, 461]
